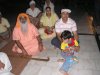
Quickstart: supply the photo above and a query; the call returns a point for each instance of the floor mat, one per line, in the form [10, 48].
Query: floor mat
[18, 64]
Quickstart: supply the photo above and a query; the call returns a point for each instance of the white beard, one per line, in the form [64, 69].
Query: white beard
[24, 27]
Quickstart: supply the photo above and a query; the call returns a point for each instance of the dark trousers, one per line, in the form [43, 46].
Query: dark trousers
[56, 42]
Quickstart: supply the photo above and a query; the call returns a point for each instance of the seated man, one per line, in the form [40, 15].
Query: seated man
[34, 13]
[47, 23]
[5, 65]
[26, 37]
[4, 28]
[64, 23]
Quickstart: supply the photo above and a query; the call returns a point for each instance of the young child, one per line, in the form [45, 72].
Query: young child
[68, 46]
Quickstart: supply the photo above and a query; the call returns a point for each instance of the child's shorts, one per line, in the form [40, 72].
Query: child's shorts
[69, 62]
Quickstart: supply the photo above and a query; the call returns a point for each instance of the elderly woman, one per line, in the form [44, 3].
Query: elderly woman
[47, 23]
[26, 37]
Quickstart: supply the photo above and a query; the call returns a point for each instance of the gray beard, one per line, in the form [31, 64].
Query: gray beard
[24, 27]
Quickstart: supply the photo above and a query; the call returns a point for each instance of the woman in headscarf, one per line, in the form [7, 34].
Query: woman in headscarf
[47, 23]
[26, 37]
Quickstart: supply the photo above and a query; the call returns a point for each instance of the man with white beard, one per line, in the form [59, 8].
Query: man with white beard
[26, 37]
[23, 24]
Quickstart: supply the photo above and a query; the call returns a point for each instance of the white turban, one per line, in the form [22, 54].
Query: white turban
[66, 10]
[32, 2]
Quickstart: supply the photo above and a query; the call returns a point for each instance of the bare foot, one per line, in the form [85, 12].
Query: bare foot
[55, 48]
[44, 48]
[66, 73]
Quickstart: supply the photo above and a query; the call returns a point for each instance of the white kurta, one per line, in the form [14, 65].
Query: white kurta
[33, 13]
[69, 25]
[4, 59]
[4, 25]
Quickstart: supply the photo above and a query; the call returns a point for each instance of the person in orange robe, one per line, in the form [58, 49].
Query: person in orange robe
[26, 37]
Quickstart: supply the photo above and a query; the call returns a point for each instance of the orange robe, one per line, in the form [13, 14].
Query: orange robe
[29, 40]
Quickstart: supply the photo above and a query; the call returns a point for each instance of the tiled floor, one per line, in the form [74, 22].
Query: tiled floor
[89, 60]
[89, 56]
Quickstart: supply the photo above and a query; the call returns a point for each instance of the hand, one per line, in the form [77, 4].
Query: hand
[46, 27]
[2, 65]
[67, 50]
[40, 47]
[72, 48]
[52, 27]
[77, 49]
